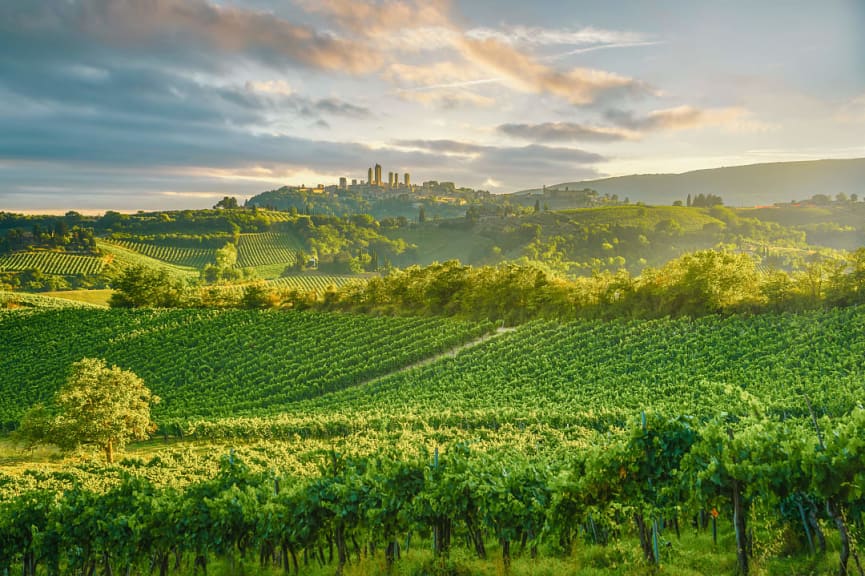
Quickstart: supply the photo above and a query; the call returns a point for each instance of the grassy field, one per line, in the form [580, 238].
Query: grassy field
[97, 297]
[42, 301]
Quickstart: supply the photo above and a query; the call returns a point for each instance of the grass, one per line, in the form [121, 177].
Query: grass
[27, 300]
[97, 297]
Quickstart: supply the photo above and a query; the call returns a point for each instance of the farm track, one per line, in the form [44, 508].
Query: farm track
[450, 353]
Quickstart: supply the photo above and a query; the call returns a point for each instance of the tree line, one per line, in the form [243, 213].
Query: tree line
[696, 284]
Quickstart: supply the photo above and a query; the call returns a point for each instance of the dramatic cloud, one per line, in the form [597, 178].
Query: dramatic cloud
[185, 26]
[385, 18]
[680, 118]
[524, 166]
[629, 126]
[189, 99]
[484, 51]
[564, 132]
[522, 72]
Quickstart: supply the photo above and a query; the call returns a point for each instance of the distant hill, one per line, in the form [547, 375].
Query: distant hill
[751, 185]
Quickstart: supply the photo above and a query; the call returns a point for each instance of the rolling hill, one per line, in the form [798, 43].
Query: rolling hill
[751, 185]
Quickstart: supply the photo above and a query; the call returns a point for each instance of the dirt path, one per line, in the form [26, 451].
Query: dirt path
[450, 353]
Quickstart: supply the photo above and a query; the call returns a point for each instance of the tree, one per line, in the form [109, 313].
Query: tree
[227, 202]
[258, 295]
[101, 406]
[143, 287]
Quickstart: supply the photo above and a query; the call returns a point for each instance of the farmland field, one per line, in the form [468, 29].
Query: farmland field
[266, 248]
[215, 362]
[122, 258]
[313, 282]
[53, 263]
[191, 257]
[530, 433]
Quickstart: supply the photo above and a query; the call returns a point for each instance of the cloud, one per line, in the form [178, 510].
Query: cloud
[532, 154]
[278, 87]
[522, 72]
[382, 19]
[184, 27]
[435, 74]
[449, 147]
[338, 107]
[564, 132]
[483, 51]
[679, 118]
[447, 98]
[442, 84]
[539, 36]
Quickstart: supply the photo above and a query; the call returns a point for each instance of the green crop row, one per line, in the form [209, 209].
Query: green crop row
[209, 363]
[59, 263]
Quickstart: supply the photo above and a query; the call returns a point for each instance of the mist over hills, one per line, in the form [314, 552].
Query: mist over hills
[750, 185]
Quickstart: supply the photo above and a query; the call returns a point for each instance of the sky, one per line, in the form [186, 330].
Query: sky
[170, 104]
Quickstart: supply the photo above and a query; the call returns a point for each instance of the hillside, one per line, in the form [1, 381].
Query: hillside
[547, 432]
[209, 362]
[314, 365]
[751, 185]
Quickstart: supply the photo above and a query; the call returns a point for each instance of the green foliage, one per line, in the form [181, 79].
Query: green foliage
[210, 362]
[227, 202]
[61, 263]
[19, 301]
[172, 253]
[598, 375]
[98, 405]
[142, 287]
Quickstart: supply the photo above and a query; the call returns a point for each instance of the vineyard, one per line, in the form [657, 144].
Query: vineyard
[190, 257]
[209, 363]
[23, 300]
[599, 374]
[580, 447]
[650, 495]
[266, 248]
[121, 258]
[53, 263]
[312, 282]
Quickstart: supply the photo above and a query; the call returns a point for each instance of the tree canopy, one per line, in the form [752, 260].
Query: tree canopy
[100, 406]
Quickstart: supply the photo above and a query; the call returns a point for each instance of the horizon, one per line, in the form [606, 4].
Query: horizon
[241, 199]
[141, 106]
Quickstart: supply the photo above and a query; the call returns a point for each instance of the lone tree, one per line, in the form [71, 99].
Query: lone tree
[227, 202]
[101, 406]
